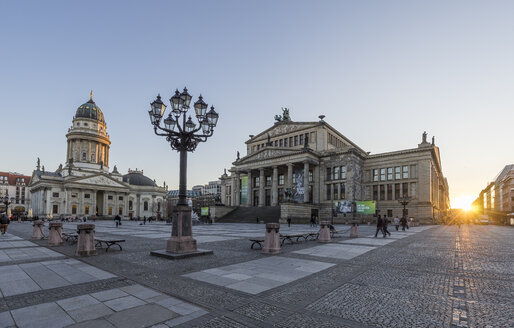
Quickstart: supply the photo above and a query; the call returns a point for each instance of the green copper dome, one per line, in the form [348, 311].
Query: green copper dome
[90, 110]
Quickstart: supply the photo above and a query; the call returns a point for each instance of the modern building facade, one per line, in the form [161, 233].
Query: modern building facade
[497, 199]
[307, 168]
[15, 185]
[85, 186]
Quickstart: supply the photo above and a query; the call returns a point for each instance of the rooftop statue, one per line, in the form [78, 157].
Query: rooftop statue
[284, 117]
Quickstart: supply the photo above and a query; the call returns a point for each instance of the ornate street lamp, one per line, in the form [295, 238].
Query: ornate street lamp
[183, 135]
[7, 201]
[405, 200]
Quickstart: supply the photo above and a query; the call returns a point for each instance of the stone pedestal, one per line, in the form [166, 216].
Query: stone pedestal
[37, 232]
[272, 239]
[86, 240]
[181, 240]
[55, 236]
[354, 231]
[324, 232]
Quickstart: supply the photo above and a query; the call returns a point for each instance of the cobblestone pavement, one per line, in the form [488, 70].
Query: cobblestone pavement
[426, 277]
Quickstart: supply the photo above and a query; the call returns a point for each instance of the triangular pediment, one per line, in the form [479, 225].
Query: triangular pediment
[281, 128]
[268, 153]
[99, 180]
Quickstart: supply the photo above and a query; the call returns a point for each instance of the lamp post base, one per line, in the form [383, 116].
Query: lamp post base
[184, 244]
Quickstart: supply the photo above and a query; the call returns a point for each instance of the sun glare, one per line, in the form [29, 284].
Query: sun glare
[463, 202]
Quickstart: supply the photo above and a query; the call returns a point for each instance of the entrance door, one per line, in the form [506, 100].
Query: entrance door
[268, 197]
[100, 203]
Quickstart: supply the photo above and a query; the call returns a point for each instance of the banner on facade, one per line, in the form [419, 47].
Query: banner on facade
[298, 188]
[244, 190]
[204, 211]
[365, 207]
[344, 207]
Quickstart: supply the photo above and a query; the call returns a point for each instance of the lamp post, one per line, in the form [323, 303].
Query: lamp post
[405, 200]
[183, 135]
[7, 201]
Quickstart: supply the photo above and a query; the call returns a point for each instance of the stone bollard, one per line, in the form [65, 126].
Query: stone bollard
[86, 240]
[324, 232]
[37, 232]
[272, 239]
[354, 231]
[55, 237]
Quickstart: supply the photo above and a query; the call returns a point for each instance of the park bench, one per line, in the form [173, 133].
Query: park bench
[70, 237]
[258, 241]
[108, 242]
[311, 236]
[291, 237]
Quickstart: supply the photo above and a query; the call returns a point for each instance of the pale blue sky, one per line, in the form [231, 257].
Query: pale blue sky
[381, 71]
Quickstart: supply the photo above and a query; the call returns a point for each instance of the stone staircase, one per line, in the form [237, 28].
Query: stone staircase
[250, 215]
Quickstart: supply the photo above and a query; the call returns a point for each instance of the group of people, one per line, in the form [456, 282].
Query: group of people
[382, 224]
[314, 221]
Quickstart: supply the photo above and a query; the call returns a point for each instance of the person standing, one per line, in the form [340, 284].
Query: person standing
[117, 220]
[384, 226]
[396, 222]
[144, 220]
[379, 225]
[4, 223]
[403, 222]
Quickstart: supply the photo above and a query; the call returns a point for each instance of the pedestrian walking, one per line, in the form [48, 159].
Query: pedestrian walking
[288, 222]
[396, 222]
[379, 225]
[144, 220]
[4, 223]
[385, 223]
[403, 222]
[117, 220]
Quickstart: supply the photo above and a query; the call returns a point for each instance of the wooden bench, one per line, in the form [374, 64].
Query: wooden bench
[258, 241]
[108, 242]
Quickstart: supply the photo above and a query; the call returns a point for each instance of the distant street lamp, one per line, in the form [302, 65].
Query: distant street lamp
[183, 135]
[7, 201]
[405, 200]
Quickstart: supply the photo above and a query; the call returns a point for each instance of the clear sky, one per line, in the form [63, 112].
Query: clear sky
[381, 71]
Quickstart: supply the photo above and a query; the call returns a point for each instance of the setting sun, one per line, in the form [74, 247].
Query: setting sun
[463, 202]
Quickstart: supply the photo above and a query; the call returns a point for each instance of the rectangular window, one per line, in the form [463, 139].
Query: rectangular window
[389, 173]
[258, 147]
[73, 195]
[87, 195]
[329, 173]
[296, 140]
[86, 209]
[336, 191]
[413, 190]
[281, 179]
[276, 143]
[329, 194]
[375, 192]
[290, 141]
[382, 192]
[268, 180]
[73, 209]
[120, 198]
[55, 209]
[405, 171]
[397, 175]
[109, 197]
[120, 211]
[343, 191]
[336, 173]
[382, 174]
[396, 191]
[281, 142]
[375, 175]
[55, 194]
[405, 189]
[310, 176]
[256, 182]
[109, 210]
[389, 192]
[390, 213]
[285, 142]
[301, 139]
[343, 172]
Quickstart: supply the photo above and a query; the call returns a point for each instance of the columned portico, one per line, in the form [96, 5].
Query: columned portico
[261, 187]
[274, 187]
[290, 176]
[306, 182]
[238, 188]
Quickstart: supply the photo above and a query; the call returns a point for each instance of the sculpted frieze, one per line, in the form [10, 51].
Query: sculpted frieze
[101, 181]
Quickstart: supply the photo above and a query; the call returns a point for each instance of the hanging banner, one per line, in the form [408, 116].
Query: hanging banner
[204, 211]
[244, 190]
[365, 207]
[298, 188]
[343, 206]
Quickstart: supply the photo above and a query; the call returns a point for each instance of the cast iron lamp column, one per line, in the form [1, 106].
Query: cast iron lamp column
[7, 201]
[405, 200]
[183, 136]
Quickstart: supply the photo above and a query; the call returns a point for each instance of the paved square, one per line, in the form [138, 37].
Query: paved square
[256, 276]
[379, 241]
[336, 251]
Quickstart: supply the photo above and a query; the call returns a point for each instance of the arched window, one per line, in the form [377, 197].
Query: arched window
[145, 206]
[130, 205]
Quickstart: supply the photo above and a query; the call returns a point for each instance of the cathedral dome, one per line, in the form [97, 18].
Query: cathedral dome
[137, 178]
[90, 110]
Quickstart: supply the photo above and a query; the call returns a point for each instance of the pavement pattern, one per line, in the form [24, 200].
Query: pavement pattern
[428, 276]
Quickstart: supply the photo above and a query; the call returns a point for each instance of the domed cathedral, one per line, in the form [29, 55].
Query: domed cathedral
[85, 186]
